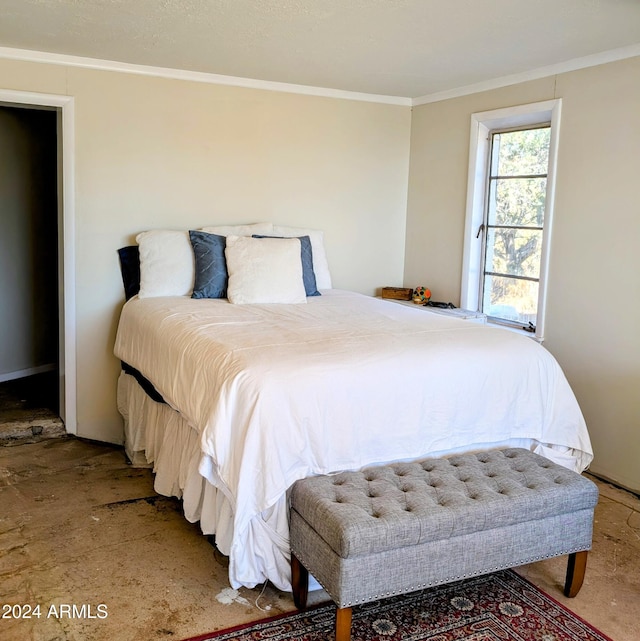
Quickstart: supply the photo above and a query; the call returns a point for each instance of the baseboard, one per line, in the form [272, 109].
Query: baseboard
[30, 371]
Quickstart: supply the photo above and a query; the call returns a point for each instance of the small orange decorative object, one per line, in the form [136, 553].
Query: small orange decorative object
[421, 295]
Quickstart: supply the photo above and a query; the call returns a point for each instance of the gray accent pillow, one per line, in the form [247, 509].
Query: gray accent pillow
[211, 275]
[306, 254]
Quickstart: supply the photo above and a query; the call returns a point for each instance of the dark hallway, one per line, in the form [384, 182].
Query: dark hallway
[29, 314]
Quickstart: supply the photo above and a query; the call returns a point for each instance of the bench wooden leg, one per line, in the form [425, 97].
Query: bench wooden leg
[343, 624]
[576, 566]
[299, 583]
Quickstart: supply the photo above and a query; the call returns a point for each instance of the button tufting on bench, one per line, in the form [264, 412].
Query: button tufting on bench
[469, 503]
[398, 527]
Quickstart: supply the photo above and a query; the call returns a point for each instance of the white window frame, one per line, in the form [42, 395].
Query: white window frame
[482, 124]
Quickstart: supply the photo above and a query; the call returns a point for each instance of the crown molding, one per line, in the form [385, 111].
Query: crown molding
[44, 57]
[604, 57]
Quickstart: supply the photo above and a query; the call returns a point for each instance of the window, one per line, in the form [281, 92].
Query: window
[509, 214]
[514, 224]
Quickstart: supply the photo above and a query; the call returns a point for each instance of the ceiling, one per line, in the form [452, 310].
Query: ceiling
[403, 48]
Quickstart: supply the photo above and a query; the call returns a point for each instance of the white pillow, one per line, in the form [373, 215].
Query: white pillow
[260, 229]
[264, 270]
[320, 263]
[167, 265]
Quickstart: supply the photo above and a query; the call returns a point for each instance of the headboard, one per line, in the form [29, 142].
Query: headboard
[130, 270]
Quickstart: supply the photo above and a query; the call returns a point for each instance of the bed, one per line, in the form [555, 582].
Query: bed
[233, 402]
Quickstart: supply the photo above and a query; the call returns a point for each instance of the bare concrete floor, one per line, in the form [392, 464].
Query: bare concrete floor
[29, 409]
[79, 527]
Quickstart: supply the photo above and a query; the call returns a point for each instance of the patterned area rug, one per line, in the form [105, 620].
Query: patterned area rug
[496, 607]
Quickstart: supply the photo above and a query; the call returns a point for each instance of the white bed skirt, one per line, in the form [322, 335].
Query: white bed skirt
[157, 436]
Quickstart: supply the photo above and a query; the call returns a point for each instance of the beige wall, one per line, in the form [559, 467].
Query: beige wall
[593, 315]
[153, 152]
[160, 153]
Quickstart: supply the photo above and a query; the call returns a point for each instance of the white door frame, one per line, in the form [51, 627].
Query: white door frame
[66, 241]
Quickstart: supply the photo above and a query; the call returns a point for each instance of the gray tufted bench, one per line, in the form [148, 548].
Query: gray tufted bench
[397, 528]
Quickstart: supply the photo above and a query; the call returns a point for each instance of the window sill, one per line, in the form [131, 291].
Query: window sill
[517, 330]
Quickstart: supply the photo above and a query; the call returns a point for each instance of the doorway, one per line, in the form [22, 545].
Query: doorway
[64, 106]
[29, 268]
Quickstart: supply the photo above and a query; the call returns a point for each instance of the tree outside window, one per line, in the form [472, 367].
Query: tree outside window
[514, 224]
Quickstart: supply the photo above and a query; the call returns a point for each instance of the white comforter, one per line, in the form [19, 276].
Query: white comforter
[281, 392]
